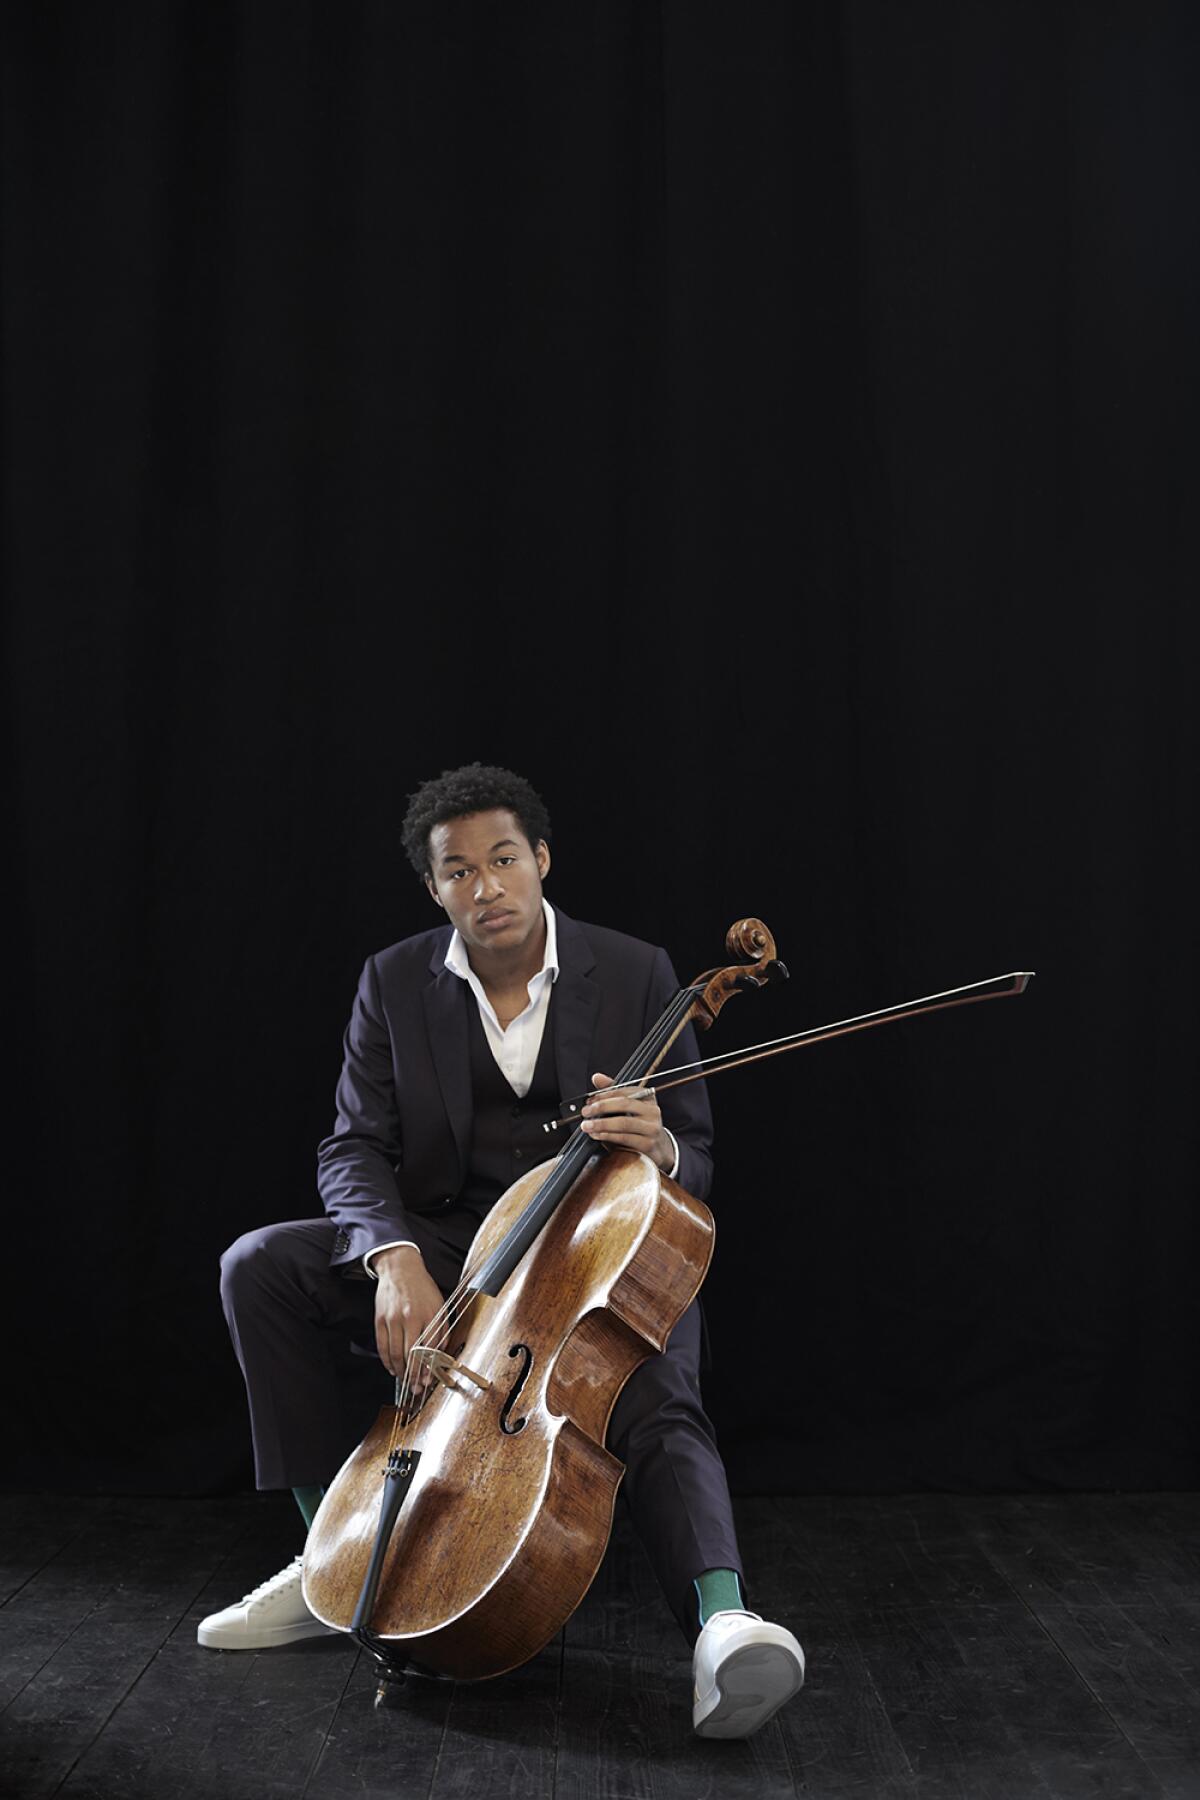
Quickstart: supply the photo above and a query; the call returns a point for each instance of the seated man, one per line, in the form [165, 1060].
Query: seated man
[462, 1043]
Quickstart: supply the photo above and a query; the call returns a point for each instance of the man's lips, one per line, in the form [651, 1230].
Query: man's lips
[496, 917]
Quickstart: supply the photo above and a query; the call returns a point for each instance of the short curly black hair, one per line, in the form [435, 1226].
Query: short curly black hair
[475, 788]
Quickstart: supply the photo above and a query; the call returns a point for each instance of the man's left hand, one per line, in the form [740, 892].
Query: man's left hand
[630, 1120]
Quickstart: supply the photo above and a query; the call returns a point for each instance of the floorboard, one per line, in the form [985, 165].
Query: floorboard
[1038, 1647]
[501, 1738]
[372, 1752]
[83, 1628]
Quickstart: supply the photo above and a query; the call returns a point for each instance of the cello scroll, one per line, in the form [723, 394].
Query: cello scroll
[750, 940]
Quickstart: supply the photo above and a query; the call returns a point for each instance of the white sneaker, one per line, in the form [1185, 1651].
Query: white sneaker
[272, 1613]
[744, 1670]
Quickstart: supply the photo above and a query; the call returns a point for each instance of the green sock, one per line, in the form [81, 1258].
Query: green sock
[308, 1499]
[718, 1590]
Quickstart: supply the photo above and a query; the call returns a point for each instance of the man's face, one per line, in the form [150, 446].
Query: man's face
[489, 879]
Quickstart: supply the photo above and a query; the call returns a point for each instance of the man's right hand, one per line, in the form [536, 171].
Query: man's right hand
[406, 1299]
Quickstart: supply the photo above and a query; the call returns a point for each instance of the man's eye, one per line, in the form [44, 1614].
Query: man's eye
[456, 873]
[504, 861]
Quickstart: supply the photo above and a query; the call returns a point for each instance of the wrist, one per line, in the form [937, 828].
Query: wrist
[669, 1161]
[401, 1259]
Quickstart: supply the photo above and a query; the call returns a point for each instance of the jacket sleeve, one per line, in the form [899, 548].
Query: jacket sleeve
[357, 1162]
[685, 1110]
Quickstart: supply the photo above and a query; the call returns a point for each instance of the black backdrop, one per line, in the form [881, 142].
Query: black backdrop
[772, 428]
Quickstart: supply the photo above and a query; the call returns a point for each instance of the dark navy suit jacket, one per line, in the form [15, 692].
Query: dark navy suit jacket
[402, 1136]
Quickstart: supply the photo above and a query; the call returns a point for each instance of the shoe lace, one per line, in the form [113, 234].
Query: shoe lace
[274, 1583]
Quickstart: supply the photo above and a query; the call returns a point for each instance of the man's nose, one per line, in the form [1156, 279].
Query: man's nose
[489, 887]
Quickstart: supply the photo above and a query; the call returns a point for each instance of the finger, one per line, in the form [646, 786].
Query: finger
[628, 1128]
[401, 1338]
[623, 1100]
[406, 1339]
[632, 1086]
[383, 1345]
[642, 1121]
[619, 1116]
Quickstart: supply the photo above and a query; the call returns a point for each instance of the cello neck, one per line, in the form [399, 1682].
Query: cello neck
[658, 1040]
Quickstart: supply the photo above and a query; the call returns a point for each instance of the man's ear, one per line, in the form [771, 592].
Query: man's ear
[432, 889]
[541, 856]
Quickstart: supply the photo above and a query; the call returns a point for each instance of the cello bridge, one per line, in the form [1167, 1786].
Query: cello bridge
[445, 1368]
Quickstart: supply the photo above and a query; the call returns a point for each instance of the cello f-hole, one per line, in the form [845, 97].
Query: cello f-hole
[511, 1430]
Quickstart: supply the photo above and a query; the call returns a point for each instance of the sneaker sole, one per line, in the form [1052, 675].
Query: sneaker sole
[752, 1684]
[268, 1638]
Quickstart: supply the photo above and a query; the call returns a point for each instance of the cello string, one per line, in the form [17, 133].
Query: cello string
[649, 1045]
[435, 1335]
[658, 1038]
[407, 1391]
[440, 1327]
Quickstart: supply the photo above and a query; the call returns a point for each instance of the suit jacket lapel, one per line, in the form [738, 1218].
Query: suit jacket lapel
[575, 1010]
[445, 1001]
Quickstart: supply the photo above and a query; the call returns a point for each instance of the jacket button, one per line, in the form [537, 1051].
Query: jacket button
[516, 1112]
[518, 1154]
[448, 1201]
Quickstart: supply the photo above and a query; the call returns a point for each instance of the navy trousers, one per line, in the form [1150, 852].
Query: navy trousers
[304, 1336]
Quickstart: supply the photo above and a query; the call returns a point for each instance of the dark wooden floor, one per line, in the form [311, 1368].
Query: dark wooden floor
[993, 1649]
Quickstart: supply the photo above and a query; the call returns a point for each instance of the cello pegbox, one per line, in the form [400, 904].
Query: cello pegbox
[753, 944]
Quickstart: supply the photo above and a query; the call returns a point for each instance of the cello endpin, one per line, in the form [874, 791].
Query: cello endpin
[388, 1686]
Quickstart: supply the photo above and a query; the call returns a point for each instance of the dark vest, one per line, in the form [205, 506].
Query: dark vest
[506, 1137]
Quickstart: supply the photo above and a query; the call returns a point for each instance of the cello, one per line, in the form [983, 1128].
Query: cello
[471, 1520]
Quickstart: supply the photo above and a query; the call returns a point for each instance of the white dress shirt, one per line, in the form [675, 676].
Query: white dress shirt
[515, 1046]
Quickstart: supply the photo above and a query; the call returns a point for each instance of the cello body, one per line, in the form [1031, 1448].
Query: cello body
[507, 1510]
